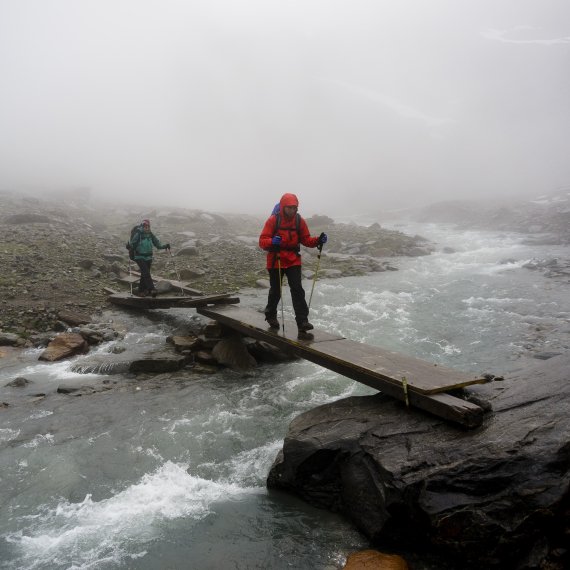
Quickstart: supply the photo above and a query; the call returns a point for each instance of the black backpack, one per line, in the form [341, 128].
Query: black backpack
[128, 245]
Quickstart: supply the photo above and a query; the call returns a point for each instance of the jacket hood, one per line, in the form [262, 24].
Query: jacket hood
[288, 200]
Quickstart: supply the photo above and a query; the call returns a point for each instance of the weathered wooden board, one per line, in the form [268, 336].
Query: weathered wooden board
[134, 277]
[168, 301]
[381, 369]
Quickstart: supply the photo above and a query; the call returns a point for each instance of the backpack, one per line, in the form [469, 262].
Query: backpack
[128, 245]
[297, 229]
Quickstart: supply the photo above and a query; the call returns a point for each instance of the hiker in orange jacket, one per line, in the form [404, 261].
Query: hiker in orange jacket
[282, 237]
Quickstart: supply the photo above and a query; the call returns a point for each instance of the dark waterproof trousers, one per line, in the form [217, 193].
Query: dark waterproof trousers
[294, 278]
[146, 283]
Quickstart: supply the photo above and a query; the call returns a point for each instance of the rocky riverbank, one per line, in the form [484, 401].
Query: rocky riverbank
[59, 252]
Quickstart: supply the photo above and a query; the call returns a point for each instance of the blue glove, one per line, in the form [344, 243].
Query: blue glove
[323, 239]
[276, 240]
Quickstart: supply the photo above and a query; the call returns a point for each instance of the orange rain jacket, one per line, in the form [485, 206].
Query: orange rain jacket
[290, 238]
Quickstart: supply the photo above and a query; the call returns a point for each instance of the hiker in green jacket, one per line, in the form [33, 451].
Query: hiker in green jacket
[142, 242]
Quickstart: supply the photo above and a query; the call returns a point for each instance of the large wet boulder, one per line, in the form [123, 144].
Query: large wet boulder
[232, 352]
[9, 339]
[493, 495]
[63, 346]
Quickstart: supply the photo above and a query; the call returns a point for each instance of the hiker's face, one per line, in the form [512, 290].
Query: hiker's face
[289, 211]
[146, 227]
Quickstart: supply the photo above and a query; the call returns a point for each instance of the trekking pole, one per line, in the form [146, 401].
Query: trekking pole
[281, 291]
[130, 277]
[176, 271]
[320, 248]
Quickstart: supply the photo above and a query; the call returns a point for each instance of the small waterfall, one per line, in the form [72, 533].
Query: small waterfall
[105, 367]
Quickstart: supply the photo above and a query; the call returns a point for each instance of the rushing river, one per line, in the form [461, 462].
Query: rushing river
[173, 476]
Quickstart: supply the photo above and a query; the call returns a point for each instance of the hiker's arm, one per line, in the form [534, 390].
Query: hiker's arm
[306, 239]
[157, 243]
[267, 234]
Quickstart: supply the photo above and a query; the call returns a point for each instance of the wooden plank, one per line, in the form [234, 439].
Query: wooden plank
[389, 366]
[321, 351]
[372, 362]
[169, 301]
[135, 276]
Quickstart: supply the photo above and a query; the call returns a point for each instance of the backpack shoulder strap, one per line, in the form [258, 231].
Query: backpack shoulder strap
[277, 223]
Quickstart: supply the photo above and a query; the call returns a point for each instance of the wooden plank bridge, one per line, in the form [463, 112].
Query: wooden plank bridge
[168, 301]
[418, 383]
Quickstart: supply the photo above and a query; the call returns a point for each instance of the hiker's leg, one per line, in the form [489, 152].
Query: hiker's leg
[274, 292]
[145, 283]
[142, 269]
[150, 282]
[294, 277]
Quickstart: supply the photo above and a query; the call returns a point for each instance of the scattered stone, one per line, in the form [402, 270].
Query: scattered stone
[113, 257]
[183, 343]
[203, 368]
[165, 286]
[213, 329]
[67, 389]
[19, 382]
[86, 263]
[187, 251]
[545, 355]
[205, 357]
[187, 274]
[64, 346]
[374, 560]
[331, 273]
[158, 362]
[93, 337]
[9, 339]
[233, 353]
[37, 398]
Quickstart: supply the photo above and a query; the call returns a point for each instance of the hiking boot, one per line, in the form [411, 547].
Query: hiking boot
[303, 335]
[305, 326]
[272, 322]
[143, 293]
[154, 292]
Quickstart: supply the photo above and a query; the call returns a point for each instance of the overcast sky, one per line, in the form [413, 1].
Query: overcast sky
[354, 105]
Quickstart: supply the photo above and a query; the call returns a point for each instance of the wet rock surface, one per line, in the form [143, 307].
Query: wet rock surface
[496, 495]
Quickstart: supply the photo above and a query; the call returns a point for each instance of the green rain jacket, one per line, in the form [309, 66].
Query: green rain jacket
[142, 243]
